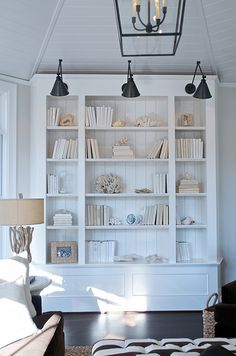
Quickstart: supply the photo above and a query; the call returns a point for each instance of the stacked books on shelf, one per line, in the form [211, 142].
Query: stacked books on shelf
[98, 215]
[92, 148]
[189, 148]
[100, 251]
[99, 116]
[52, 184]
[62, 219]
[183, 251]
[160, 183]
[159, 150]
[122, 152]
[156, 215]
[65, 149]
[53, 117]
[188, 185]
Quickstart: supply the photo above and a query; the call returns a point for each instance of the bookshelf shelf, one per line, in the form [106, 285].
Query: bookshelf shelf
[63, 128]
[128, 227]
[196, 195]
[68, 195]
[138, 160]
[190, 128]
[193, 226]
[63, 160]
[63, 227]
[128, 128]
[191, 160]
[126, 195]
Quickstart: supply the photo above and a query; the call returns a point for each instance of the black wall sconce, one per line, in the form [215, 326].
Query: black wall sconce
[129, 89]
[202, 91]
[59, 88]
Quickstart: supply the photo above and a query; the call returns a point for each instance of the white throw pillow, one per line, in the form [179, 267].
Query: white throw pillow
[15, 320]
[11, 268]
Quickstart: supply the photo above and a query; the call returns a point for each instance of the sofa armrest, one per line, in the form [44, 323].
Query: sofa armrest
[228, 292]
[225, 314]
[36, 344]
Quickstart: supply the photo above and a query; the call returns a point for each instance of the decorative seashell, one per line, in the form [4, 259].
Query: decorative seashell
[187, 220]
[67, 120]
[119, 123]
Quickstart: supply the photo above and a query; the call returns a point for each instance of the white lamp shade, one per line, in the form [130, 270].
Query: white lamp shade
[21, 211]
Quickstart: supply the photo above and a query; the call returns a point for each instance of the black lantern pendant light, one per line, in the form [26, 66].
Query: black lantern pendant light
[59, 88]
[202, 91]
[129, 89]
[149, 27]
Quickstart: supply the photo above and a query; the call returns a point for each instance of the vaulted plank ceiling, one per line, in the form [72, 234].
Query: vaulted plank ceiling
[34, 34]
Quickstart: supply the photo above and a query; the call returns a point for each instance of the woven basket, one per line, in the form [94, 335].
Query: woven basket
[208, 316]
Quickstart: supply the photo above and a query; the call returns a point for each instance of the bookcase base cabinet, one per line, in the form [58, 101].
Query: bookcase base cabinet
[130, 288]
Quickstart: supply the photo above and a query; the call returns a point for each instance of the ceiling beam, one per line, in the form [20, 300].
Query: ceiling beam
[47, 36]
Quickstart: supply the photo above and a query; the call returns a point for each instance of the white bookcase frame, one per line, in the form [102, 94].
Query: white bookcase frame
[161, 282]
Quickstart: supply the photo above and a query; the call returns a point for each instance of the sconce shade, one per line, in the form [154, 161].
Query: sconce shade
[202, 91]
[59, 88]
[129, 89]
[15, 212]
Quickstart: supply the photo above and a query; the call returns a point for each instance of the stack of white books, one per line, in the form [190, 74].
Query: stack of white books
[183, 251]
[160, 183]
[100, 251]
[52, 184]
[122, 152]
[99, 116]
[92, 151]
[62, 219]
[159, 150]
[156, 215]
[189, 148]
[53, 117]
[65, 149]
[98, 215]
[186, 185]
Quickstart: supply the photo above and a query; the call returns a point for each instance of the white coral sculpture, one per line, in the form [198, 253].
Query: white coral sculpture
[108, 183]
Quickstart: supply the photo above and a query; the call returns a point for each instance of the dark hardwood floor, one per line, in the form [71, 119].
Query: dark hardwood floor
[87, 328]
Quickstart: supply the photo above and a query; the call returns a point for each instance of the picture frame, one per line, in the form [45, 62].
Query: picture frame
[64, 252]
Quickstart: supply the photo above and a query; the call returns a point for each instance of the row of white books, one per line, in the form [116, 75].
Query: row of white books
[53, 184]
[53, 117]
[92, 150]
[183, 251]
[159, 150]
[188, 186]
[160, 183]
[100, 251]
[62, 219]
[189, 148]
[99, 116]
[156, 215]
[65, 149]
[98, 215]
[122, 152]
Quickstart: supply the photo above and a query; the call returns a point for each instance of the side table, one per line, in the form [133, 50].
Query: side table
[38, 284]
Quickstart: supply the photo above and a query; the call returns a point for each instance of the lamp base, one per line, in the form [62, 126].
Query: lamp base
[20, 239]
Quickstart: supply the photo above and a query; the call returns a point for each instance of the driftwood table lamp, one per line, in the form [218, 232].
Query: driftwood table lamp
[19, 214]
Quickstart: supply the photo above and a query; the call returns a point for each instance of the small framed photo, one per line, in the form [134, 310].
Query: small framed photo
[64, 252]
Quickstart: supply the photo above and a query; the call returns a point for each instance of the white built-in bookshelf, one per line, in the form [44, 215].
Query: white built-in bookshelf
[164, 215]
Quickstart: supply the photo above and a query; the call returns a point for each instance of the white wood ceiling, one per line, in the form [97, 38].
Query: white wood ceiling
[34, 34]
